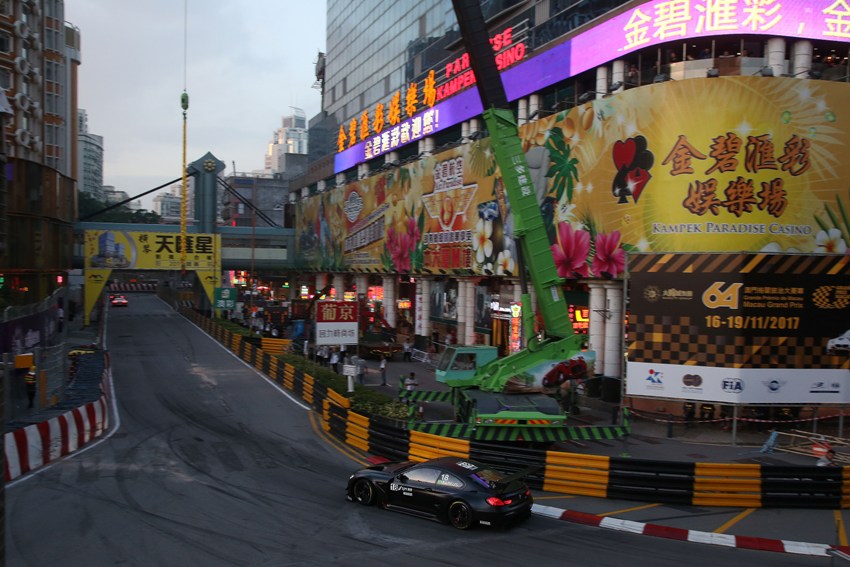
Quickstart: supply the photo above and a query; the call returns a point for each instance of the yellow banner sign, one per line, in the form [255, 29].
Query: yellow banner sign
[118, 249]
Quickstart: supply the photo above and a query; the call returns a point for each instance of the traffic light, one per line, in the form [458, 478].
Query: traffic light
[2, 281]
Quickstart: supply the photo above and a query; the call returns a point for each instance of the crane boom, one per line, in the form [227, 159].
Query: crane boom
[529, 232]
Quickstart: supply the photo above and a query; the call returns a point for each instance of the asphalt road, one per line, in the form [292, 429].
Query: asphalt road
[209, 464]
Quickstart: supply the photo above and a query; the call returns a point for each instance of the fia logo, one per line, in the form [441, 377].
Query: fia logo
[733, 385]
[715, 296]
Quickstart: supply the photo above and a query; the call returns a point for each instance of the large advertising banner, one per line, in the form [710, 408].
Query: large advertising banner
[106, 250]
[739, 328]
[700, 165]
[119, 249]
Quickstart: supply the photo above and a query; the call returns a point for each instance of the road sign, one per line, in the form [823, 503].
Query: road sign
[225, 298]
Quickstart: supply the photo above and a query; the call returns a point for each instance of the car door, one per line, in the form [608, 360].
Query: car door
[415, 490]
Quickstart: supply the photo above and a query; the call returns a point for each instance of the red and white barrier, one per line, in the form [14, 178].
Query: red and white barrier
[725, 540]
[34, 446]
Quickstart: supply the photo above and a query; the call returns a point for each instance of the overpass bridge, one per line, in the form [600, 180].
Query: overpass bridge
[252, 248]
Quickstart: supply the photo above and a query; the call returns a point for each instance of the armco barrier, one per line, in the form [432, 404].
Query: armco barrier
[698, 484]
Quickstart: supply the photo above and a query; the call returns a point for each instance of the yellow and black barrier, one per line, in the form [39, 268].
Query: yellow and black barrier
[673, 482]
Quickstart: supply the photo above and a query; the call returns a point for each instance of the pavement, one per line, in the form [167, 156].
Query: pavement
[649, 439]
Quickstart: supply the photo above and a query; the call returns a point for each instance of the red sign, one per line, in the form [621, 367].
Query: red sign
[460, 76]
[336, 312]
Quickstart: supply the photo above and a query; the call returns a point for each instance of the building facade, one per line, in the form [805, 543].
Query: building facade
[90, 167]
[291, 138]
[649, 127]
[39, 56]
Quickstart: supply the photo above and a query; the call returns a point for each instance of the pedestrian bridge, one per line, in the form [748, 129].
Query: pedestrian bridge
[242, 248]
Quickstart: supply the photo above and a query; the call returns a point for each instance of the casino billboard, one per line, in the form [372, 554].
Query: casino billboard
[739, 328]
[703, 165]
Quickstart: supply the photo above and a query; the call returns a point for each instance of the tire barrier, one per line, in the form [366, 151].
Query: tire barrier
[670, 482]
[122, 287]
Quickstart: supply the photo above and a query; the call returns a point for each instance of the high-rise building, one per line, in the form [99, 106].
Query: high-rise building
[39, 56]
[367, 49]
[290, 138]
[169, 206]
[90, 165]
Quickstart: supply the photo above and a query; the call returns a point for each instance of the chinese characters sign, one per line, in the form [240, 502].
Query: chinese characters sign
[107, 249]
[336, 323]
[648, 24]
[225, 298]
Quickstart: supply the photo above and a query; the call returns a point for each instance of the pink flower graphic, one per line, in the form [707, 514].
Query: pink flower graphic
[610, 259]
[571, 250]
[401, 244]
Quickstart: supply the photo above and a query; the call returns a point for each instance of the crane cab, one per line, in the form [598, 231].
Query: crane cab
[458, 364]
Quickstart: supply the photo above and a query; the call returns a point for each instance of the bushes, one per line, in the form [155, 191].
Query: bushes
[364, 401]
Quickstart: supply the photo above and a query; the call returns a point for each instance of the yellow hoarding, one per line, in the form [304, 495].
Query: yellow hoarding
[119, 249]
[701, 165]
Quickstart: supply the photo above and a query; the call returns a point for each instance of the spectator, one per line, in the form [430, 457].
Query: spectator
[361, 370]
[335, 360]
[383, 371]
[633, 76]
[407, 350]
[410, 382]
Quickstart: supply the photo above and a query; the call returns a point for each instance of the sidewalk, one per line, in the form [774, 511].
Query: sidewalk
[650, 440]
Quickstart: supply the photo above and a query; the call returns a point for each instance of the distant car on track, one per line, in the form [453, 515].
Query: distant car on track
[839, 344]
[454, 490]
[119, 301]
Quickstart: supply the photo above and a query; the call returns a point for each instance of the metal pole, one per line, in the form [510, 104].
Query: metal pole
[734, 425]
[841, 422]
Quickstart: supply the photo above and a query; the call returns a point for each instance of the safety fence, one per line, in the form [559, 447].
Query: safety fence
[61, 433]
[672, 482]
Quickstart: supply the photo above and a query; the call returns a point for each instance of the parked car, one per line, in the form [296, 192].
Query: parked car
[376, 348]
[839, 344]
[454, 490]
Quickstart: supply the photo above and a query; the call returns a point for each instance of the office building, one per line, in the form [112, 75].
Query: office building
[90, 167]
[38, 69]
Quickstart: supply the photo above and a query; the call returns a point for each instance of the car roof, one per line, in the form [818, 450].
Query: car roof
[458, 465]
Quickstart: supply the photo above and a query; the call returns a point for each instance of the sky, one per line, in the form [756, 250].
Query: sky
[244, 64]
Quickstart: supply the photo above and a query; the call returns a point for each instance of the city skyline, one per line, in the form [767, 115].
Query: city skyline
[241, 74]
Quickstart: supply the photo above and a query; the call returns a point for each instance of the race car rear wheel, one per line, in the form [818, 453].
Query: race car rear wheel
[364, 492]
[460, 515]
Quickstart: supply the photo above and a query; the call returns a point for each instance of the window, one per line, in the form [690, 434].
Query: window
[5, 79]
[423, 475]
[5, 42]
[464, 361]
[449, 480]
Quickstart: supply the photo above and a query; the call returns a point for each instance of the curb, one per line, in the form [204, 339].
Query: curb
[725, 540]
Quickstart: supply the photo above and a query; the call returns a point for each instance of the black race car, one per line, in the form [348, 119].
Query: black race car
[459, 491]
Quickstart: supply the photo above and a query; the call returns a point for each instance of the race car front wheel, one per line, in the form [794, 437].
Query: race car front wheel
[364, 492]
